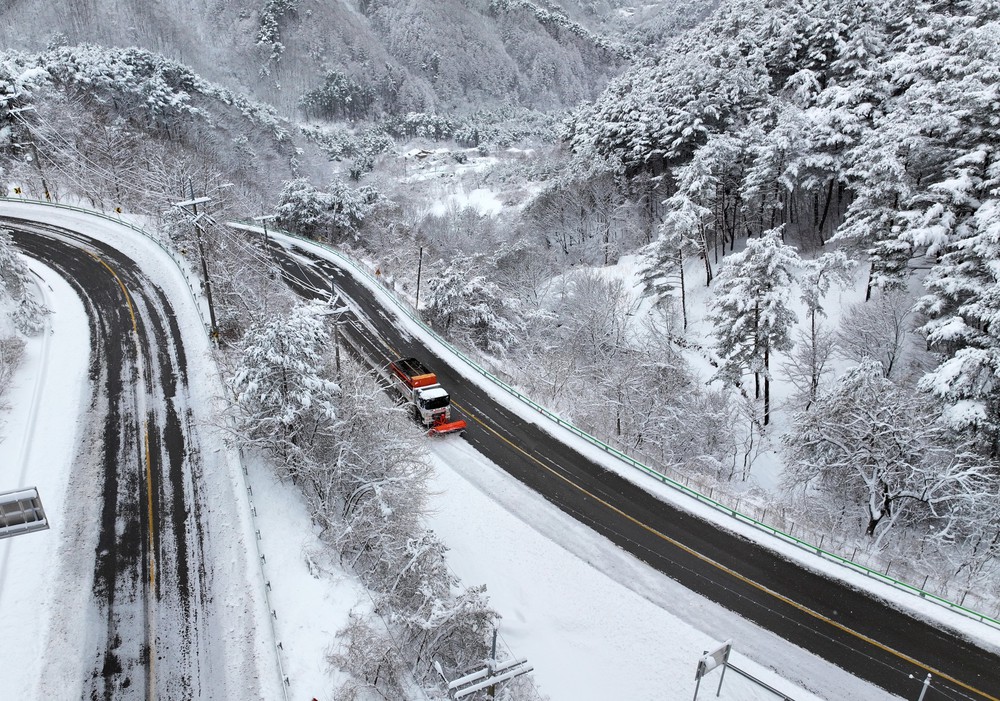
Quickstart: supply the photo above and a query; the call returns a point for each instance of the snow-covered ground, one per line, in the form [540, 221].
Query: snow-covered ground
[595, 623]
[37, 445]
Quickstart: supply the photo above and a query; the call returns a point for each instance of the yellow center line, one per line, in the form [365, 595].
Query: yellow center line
[723, 568]
[151, 679]
[128, 298]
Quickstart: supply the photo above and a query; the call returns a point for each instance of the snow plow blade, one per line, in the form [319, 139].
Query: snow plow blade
[447, 427]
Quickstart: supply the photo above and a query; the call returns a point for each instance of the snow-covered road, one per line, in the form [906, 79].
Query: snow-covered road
[137, 596]
[596, 623]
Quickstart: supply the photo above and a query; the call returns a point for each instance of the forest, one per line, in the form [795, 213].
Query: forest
[750, 159]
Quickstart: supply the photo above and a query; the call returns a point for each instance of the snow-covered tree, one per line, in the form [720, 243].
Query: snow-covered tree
[750, 311]
[815, 345]
[372, 658]
[302, 208]
[367, 489]
[16, 87]
[349, 208]
[661, 111]
[16, 283]
[688, 228]
[663, 269]
[284, 401]
[879, 448]
[964, 307]
[877, 329]
[464, 297]
[334, 215]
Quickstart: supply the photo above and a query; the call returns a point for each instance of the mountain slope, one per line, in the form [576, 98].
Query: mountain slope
[447, 55]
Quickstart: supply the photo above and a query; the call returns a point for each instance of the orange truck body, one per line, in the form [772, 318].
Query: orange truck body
[412, 373]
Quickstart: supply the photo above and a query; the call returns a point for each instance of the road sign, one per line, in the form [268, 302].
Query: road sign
[21, 512]
[711, 660]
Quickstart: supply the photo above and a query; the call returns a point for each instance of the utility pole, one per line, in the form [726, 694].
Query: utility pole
[41, 174]
[263, 219]
[492, 692]
[420, 262]
[336, 345]
[193, 204]
[487, 677]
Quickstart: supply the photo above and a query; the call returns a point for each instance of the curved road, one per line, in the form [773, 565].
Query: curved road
[863, 635]
[149, 585]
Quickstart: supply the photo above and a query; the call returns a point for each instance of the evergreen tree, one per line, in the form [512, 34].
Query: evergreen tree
[963, 304]
[750, 311]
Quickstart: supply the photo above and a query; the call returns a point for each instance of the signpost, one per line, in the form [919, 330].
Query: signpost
[711, 660]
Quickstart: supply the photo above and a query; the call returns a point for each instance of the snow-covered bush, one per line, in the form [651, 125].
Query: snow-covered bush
[11, 353]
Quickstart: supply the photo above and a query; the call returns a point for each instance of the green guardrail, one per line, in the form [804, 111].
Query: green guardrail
[664, 479]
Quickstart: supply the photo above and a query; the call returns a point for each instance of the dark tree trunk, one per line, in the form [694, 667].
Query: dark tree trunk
[826, 210]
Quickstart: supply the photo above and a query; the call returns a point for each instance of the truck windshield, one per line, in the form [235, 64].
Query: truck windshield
[435, 402]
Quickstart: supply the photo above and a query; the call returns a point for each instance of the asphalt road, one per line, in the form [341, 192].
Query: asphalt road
[865, 636]
[149, 586]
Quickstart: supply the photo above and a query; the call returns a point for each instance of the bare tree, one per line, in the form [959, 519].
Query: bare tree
[877, 329]
[814, 348]
[370, 655]
[873, 446]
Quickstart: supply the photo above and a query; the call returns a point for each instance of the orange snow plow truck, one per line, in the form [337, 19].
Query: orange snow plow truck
[431, 403]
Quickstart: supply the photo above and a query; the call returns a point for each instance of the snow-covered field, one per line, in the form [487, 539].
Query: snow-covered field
[595, 623]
